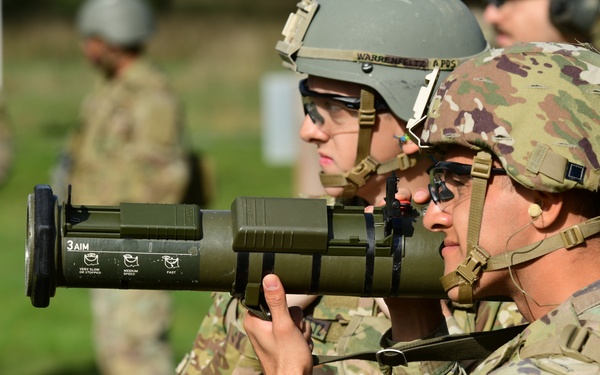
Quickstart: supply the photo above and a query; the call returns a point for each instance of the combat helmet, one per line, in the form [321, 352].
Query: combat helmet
[389, 47]
[123, 23]
[535, 107]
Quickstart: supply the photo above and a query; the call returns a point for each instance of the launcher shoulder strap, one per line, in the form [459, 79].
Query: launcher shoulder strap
[477, 345]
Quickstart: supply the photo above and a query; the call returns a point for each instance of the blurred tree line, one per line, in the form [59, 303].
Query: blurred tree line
[15, 10]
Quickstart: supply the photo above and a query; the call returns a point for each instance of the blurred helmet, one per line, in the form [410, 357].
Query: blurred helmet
[389, 46]
[123, 23]
[536, 108]
[575, 17]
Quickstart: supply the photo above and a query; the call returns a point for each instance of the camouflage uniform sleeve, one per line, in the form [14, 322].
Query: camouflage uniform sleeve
[484, 316]
[221, 345]
[346, 325]
[430, 368]
[340, 325]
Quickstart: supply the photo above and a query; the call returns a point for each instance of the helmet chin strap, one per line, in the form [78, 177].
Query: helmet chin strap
[479, 260]
[365, 165]
[469, 271]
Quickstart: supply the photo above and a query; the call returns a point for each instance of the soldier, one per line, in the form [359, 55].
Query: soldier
[128, 147]
[517, 198]
[366, 57]
[544, 21]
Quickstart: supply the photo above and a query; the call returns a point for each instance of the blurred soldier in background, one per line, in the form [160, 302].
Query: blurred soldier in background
[128, 147]
[356, 110]
[544, 21]
[6, 143]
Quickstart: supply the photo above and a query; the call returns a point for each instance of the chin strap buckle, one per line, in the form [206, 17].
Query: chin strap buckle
[471, 268]
[361, 172]
[572, 237]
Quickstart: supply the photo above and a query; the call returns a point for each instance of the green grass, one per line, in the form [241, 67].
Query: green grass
[44, 81]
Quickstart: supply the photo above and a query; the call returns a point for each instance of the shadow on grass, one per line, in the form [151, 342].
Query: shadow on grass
[86, 369]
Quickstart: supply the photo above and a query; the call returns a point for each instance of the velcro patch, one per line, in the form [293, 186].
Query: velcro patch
[575, 172]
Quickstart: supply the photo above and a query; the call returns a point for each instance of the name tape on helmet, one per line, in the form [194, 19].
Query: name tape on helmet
[381, 59]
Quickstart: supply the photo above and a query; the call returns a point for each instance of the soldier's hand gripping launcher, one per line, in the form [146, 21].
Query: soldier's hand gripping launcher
[312, 247]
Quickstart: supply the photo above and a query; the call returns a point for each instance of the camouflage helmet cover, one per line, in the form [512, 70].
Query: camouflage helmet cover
[534, 106]
[123, 23]
[388, 45]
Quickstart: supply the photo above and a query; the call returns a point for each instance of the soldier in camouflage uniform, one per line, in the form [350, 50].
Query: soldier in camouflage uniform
[517, 198]
[355, 164]
[128, 147]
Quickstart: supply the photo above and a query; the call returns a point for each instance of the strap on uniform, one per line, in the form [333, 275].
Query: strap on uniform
[575, 342]
[572, 341]
[477, 345]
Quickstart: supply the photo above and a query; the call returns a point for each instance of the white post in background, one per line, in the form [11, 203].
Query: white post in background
[281, 111]
[282, 115]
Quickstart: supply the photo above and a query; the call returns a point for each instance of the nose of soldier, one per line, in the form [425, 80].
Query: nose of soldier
[436, 219]
[311, 133]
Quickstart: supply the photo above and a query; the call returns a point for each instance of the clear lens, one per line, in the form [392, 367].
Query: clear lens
[333, 113]
[448, 188]
[330, 115]
[450, 183]
[310, 109]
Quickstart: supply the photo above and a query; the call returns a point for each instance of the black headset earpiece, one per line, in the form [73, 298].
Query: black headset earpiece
[574, 17]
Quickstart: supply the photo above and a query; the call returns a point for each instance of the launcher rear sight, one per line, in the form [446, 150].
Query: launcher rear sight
[314, 248]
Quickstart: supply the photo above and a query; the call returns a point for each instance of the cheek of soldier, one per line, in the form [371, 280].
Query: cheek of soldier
[93, 49]
[384, 144]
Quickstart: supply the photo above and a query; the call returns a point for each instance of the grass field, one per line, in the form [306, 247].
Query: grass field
[216, 65]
